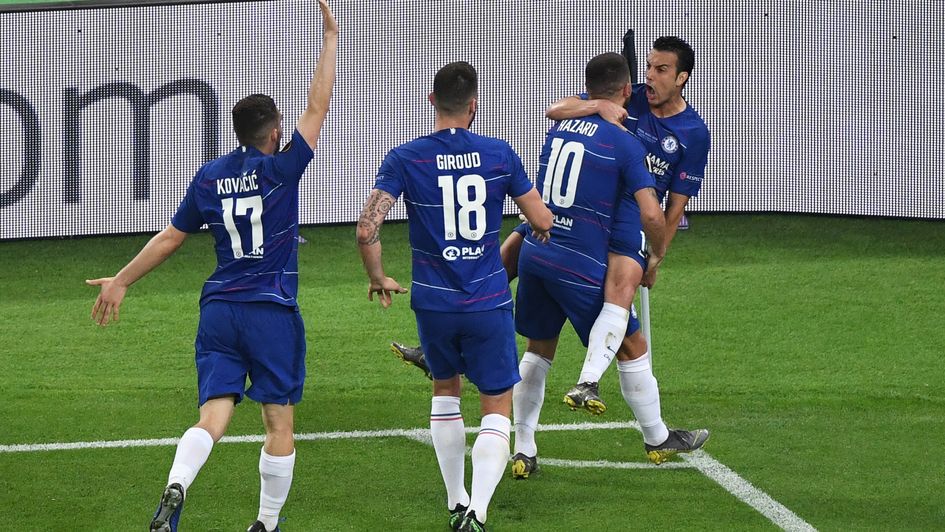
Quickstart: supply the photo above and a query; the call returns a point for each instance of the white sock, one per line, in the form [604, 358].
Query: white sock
[275, 479]
[193, 449]
[604, 341]
[642, 393]
[527, 398]
[490, 455]
[449, 442]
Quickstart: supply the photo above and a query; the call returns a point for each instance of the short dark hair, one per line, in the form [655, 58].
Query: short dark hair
[253, 118]
[685, 55]
[454, 86]
[606, 74]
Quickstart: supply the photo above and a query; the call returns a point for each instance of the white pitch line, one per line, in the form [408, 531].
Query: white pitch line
[740, 488]
[744, 491]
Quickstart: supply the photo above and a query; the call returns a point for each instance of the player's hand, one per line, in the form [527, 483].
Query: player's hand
[612, 113]
[328, 18]
[652, 267]
[384, 289]
[542, 236]
[108, 301]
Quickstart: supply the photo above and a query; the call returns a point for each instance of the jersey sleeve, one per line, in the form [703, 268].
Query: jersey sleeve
[633, 170]
[390, 177]
[188, 218]
[691, 169]
[290, 163]
[519, 184]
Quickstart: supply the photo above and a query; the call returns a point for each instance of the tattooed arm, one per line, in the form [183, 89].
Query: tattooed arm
[375, 210]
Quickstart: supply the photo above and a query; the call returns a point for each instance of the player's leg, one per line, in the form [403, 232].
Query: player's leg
[528, 396]
[539, 318]
[438, 336]
[191, 454]
[276, 465]
[640, 390]
[510, 249]
[607, 333]
[274, 339]
[221, 377]
[488, 346]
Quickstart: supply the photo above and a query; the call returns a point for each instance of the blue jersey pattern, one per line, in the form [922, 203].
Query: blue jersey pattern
[584, 166]
[250, 201]
[677, 146]
[454, 184]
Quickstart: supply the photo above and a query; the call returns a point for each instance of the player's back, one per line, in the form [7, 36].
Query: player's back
[584, 166]
[250, 202]
[454, 184]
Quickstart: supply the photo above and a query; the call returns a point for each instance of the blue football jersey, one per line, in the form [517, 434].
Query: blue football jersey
[677, 146]
[584, 167]
[250, 202]
[454, 184]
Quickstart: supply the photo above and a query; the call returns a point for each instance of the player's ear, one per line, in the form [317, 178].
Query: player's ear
[681, 78]
[431, 99]
[473, 104]
[627, 91]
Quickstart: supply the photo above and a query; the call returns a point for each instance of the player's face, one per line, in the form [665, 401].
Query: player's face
[663, 82]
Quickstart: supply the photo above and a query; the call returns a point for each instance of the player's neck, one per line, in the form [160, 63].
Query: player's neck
[670, 107]
[450, 122]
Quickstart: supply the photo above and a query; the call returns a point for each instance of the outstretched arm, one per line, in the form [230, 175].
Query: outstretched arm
[373, 214]
[319, 92]
[574, 107]
[156, 251]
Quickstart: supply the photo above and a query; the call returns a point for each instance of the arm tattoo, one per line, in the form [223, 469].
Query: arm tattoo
[378, 204]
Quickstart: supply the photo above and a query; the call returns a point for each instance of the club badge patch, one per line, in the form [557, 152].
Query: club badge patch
[669, 144]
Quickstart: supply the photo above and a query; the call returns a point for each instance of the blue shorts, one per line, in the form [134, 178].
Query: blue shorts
[265, 341]
[480, 345]
[542, 305]
[628, 239]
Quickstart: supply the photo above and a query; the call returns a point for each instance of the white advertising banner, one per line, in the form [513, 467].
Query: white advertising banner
[105, 114]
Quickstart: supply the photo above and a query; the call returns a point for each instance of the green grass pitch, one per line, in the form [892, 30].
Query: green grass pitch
[812, 347]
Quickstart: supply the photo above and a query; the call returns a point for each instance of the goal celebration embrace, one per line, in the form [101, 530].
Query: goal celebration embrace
[616, 169]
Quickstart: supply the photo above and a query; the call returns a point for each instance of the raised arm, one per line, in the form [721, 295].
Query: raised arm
[375, 210]
[574, 107]
[156, 251]
[319, 92]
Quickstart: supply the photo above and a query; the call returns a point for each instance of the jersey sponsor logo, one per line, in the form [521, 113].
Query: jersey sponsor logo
[563, 222]
[669, 144]
[655, 165]
[255, 254]
[452, 253]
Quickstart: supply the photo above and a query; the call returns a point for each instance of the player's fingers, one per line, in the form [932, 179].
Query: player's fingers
[115, 312]
[96, 306]
[103, 314]
[385, 298]
[94, 282]
[401, 290]
[370, 294]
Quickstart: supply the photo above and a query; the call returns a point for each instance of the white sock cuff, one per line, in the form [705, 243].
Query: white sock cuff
[635, 366]
[199, 435]
[538, 360]
[616, 311]
[278, 466]
[496, 422]
[444, 404]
